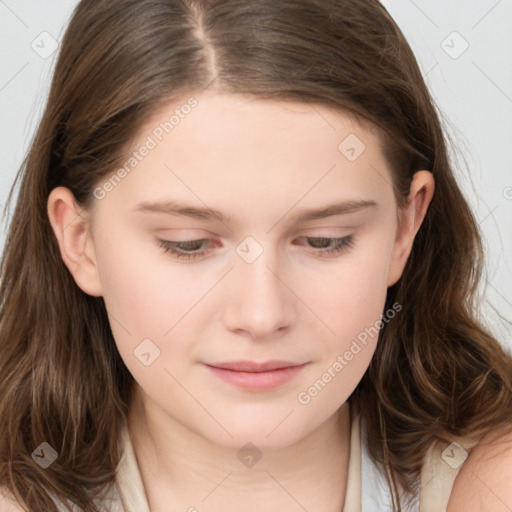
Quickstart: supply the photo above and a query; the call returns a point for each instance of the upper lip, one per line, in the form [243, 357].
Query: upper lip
[253, 366]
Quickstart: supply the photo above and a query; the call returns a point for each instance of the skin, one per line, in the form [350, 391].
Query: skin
[483, 482]
[261, 163]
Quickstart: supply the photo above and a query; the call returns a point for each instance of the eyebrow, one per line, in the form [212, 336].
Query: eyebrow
[181, 209]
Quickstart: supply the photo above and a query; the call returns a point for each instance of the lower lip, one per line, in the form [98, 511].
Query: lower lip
[258, 381]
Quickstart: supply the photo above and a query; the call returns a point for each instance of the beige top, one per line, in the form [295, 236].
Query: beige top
[437, 476]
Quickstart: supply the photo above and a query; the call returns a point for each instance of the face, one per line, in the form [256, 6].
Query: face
[263, 278]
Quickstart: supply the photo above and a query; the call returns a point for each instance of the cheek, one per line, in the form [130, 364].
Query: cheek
[143, 289]
[352, 305]
[350, 295]
[146, 298]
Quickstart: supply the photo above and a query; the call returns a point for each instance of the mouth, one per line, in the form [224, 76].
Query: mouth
[256, 376]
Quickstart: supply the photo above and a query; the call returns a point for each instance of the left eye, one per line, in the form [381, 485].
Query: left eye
[190, 249]
[187, 249]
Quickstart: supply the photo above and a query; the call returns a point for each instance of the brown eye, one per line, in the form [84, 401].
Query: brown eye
[330, 245]
[187, 249]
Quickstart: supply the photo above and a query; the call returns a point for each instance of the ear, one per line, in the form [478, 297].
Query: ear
[71, 225]
[409, 221]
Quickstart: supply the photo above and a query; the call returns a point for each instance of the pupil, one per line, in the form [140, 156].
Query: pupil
[320, 243]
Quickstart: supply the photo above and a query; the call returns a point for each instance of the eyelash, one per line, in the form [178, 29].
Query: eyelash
[341, 245]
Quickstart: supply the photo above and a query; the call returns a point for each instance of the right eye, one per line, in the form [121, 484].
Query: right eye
[337, 245]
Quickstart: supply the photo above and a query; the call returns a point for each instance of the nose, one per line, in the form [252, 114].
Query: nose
[260, 299]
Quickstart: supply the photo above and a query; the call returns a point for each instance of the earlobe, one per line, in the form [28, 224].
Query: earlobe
[409, 221]
[71, 226]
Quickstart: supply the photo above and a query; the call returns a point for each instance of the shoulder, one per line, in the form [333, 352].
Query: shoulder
[484, 481]
[8, 503]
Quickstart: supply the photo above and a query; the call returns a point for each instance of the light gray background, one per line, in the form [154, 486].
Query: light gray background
[473, 89]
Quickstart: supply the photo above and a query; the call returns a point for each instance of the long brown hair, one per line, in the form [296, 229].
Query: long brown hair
[437, 373]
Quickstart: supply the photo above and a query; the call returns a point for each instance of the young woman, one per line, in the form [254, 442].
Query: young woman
[241, 275]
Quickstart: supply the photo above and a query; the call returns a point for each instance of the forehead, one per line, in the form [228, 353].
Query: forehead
[226, 125]
[212, 115]
[240, 149]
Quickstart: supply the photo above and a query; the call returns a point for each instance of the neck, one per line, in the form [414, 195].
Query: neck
[183, 470]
